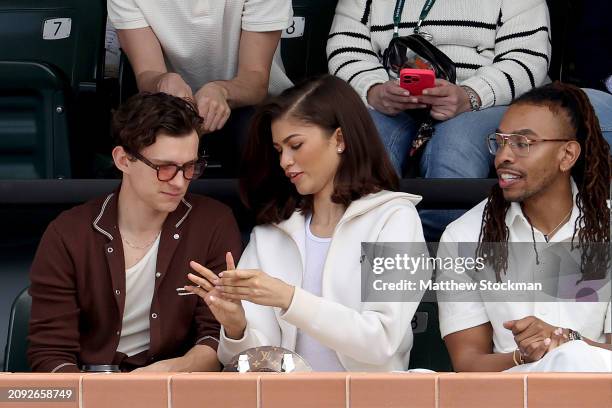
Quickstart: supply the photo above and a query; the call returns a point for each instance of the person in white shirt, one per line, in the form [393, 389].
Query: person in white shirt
[320, 186]
[554, 171]
[222, 53]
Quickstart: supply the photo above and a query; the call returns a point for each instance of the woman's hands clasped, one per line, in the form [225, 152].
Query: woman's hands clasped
[223, 294]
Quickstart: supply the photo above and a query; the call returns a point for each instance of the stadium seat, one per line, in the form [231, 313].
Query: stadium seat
[580, 35]
[66, 34]
[33, 124]
[303, 44]
[15, 358]
[559, 11]
[428, 350]
[64, 42]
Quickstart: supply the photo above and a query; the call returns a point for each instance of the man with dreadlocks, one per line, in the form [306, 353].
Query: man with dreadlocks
[554, 171]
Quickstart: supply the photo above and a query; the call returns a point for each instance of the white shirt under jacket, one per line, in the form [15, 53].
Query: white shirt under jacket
[372, 336]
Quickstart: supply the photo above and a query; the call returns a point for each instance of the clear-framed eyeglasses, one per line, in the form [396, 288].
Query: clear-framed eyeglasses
[520, 144]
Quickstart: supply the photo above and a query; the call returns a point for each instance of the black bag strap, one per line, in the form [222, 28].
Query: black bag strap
[443, 65]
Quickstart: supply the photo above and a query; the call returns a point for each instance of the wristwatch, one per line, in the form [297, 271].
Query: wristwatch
[474, 101]
[574, 335]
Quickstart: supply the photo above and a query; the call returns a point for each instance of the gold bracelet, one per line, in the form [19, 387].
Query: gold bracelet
[520, 361]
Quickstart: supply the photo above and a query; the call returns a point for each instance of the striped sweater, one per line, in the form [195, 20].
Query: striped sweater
[501, 47]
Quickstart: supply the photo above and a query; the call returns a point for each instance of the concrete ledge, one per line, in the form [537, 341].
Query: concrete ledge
[342, 390]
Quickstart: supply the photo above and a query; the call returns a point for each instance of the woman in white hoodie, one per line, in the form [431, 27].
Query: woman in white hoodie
[320, 184]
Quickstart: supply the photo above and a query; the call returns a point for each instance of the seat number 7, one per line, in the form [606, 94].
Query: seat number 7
[57, 28]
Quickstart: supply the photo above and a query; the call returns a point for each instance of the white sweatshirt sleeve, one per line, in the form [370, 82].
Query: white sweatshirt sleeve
[350, 53]
[373, 334]
[522, 54]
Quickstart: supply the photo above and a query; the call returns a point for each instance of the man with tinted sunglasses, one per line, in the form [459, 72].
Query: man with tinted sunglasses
[105, 277]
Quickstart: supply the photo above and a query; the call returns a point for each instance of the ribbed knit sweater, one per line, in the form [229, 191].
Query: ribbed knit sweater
[501, 47]
[200, 39]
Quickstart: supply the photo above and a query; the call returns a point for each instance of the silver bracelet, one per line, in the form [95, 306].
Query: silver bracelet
[474, 104]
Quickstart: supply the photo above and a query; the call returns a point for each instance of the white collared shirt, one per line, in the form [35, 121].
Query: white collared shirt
[591, 319]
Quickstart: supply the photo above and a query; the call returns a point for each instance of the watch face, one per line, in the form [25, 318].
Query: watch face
[574, 335]
[267, 359]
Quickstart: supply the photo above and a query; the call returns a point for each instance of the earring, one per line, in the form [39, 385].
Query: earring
[340, 150]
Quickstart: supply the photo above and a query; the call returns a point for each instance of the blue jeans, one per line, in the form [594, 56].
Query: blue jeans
[458, 148]
[602, 104]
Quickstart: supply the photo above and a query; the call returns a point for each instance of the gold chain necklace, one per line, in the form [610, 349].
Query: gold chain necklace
[563, 221]
[140, 247]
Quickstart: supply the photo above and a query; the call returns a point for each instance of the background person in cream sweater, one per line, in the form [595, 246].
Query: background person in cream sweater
[299, 277]
[501, 49]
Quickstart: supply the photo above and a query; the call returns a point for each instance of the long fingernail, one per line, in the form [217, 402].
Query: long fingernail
[547, 341]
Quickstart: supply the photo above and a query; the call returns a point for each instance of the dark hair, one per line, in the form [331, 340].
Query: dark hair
[591, 172]
[330, 103]
[138, 121]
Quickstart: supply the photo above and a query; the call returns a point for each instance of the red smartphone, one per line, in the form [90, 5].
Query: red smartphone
[415, 80]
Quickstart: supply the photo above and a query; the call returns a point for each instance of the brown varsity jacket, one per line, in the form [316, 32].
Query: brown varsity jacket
[78, 285]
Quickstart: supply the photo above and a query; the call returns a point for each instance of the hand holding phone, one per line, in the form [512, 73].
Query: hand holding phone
[416, 80]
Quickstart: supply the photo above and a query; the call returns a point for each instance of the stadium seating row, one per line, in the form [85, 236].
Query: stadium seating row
[54, 102]
[52, 78]
[52, 61]
[428, 350]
